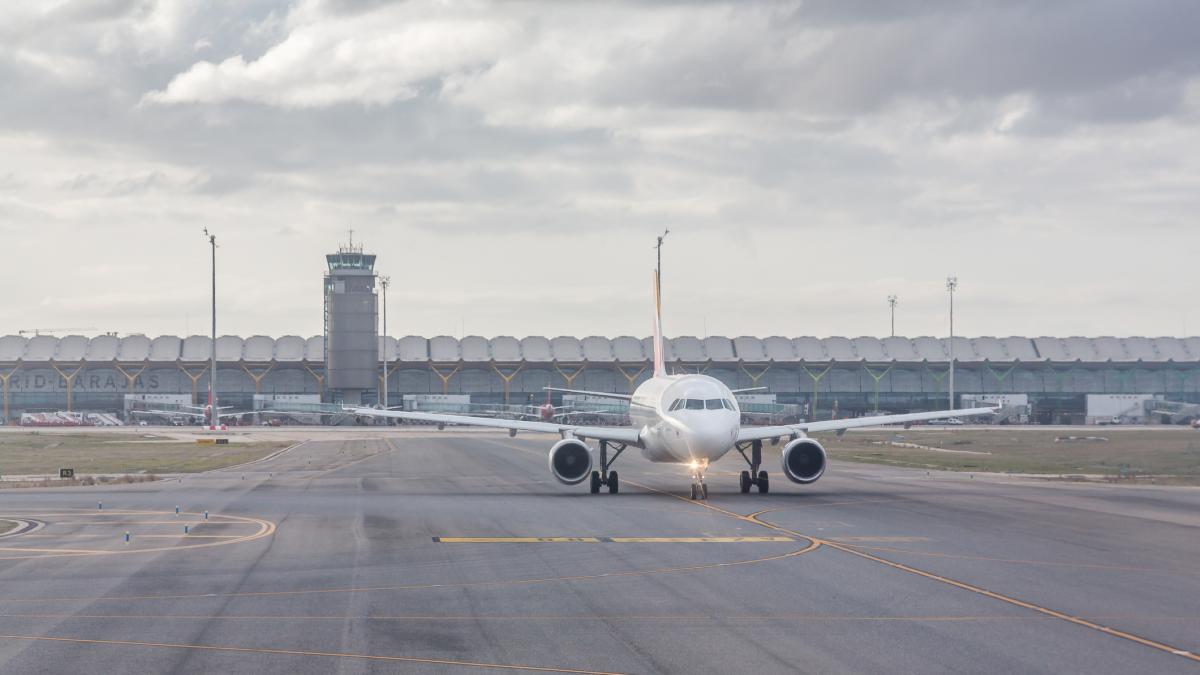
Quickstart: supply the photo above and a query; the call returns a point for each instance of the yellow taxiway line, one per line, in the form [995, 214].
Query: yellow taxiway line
[877, 540]
[265, 529]
[911, 618]
[612, 540]
[849, 548]
[308, 652]
[695, 567]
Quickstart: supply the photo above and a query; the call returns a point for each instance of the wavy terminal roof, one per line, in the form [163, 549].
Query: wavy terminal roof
[503, 349]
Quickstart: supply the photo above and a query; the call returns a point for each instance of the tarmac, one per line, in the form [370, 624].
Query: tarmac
[430, 552]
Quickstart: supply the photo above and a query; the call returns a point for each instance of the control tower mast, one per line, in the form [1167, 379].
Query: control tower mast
[351, 326]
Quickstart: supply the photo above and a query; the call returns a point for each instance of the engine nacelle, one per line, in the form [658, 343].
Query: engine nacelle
[570, 461]
[803, 461]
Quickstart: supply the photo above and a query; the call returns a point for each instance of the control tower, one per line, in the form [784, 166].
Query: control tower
[351, 333]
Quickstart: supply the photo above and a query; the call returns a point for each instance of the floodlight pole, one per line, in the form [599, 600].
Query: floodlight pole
[951, 286]
[658, 271]
[384, 282]
[892, 302]
[212, 375]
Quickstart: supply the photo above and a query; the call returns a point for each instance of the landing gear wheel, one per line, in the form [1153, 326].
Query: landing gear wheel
[753, 476]
[694, 491]
[704, 490]
[604, 476]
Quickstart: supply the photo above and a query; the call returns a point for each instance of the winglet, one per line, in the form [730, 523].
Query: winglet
[660, 368]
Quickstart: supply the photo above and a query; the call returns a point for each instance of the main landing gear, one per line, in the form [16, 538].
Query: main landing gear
[604, 476]
[699, 487]
[754, 476]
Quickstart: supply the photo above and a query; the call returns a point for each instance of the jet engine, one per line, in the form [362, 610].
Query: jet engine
[570, 461]
[803, 460]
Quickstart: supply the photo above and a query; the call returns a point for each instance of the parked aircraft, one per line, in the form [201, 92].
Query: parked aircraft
[193, 413]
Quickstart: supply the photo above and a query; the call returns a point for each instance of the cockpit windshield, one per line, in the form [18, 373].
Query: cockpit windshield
[701, 404]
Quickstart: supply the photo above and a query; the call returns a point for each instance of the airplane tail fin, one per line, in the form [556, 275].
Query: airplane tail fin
[660, 368]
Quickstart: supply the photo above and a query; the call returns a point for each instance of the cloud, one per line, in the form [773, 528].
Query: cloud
[1096, 61]
[372, 59]
[831, 148]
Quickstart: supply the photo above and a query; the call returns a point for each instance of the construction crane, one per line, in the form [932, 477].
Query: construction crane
[44, 331]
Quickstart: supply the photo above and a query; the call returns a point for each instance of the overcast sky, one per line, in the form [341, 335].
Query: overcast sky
[512, 162]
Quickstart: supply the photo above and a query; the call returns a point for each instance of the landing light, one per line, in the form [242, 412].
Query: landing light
[694, 465]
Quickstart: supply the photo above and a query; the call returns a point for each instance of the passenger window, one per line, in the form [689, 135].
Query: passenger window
[695, 404]
[714, 404]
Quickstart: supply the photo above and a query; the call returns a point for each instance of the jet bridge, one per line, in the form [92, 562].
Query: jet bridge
[1172, 412]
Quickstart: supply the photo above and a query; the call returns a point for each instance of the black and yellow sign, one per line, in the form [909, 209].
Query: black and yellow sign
[66, 473]
[212, 441]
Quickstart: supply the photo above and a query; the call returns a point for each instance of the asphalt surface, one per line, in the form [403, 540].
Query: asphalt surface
[326, 559]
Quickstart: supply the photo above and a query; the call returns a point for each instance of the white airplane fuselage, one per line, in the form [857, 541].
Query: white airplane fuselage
[689, 432]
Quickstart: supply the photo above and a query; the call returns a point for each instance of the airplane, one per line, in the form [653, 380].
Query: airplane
[551, 413]
[194, 412]
[548, 412]
[692, 420]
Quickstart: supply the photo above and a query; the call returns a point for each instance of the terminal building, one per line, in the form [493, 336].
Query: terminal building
[858, 375]
[346, 366]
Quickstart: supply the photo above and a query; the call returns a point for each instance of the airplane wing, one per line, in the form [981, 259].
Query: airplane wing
[793, 430]
[598, 394]
[187, 413]
[597, 413]
[167, 413]
[627, 435]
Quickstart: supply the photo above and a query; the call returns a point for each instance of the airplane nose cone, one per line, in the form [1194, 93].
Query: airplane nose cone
[710, 441]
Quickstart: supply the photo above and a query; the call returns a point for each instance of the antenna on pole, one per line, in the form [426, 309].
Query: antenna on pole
[658, 275]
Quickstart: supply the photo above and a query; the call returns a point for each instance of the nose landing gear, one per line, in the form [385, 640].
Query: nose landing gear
[699, 487]
[754, 476]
